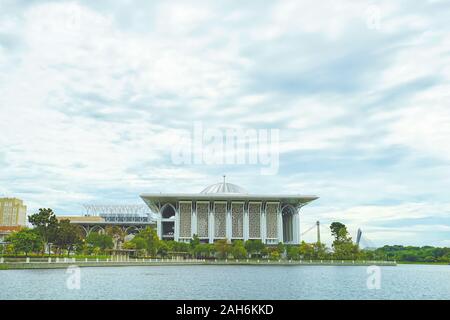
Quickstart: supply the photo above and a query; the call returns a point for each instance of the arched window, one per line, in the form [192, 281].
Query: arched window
[168, 212]
[288, 224]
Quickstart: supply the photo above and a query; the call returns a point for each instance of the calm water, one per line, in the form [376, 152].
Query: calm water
[229, 282]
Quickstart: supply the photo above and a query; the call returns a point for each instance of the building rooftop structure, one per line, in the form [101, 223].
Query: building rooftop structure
[81, 219]
[221, 191]
[7, 230]
[223, 187]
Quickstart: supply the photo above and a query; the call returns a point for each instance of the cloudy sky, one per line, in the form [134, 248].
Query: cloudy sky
[95, 94]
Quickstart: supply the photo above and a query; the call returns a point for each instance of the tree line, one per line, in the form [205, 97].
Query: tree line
[411, 254]
[49, 235]
[60, 237]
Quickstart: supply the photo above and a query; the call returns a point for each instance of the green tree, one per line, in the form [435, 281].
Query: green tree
[198, 251]
[254, 247]
[203, 250]
[117, 234]
[67, 236]
[163, 249]
[96, 251]
[343, 246]
[210, 249]
[306, 250]
[100, 241]
[346, 250]
[274, 255]
[46, 225]
[281, 248]
[338, 230]
[150, 238]
[25, 240]
[238, 250]
[129, 245]
[195, 241]
[320, 251]
[181, 247]
[139, 243]
[265, 252]
[408, 254]
[222, 248]
[292, 252]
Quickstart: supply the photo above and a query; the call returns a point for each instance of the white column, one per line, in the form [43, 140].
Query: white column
[246, 223]
[263, 225]
[159, 227]
[228, 224]
[296, 227]
[193, 220]
[176, 233]
[211, 225]
[279, 226]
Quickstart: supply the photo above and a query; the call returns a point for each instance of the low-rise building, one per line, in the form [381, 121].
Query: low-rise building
[6, 231]
[129, 223]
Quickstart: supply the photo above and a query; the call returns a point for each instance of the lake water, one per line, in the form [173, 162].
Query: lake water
[229, 282]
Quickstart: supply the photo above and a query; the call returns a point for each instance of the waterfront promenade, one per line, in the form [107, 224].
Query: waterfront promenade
[54, 263]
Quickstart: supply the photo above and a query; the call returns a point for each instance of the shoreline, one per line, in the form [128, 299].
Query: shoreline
[62, 265]
[425, 263]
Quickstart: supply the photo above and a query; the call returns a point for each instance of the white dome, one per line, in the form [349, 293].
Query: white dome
[224, 187]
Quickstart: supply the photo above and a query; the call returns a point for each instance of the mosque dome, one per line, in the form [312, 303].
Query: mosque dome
[223, 187]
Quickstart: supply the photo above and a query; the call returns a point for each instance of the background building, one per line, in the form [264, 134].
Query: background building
[130, 218]
[12, 212]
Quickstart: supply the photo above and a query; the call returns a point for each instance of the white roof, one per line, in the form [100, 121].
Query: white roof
[223, 187]
[223, 192]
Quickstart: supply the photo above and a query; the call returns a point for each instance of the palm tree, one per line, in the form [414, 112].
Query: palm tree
[118, 235]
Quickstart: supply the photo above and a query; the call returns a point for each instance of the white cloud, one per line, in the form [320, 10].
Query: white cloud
[182, 18]
[423, 126]
[93, 98]
[369, 219]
